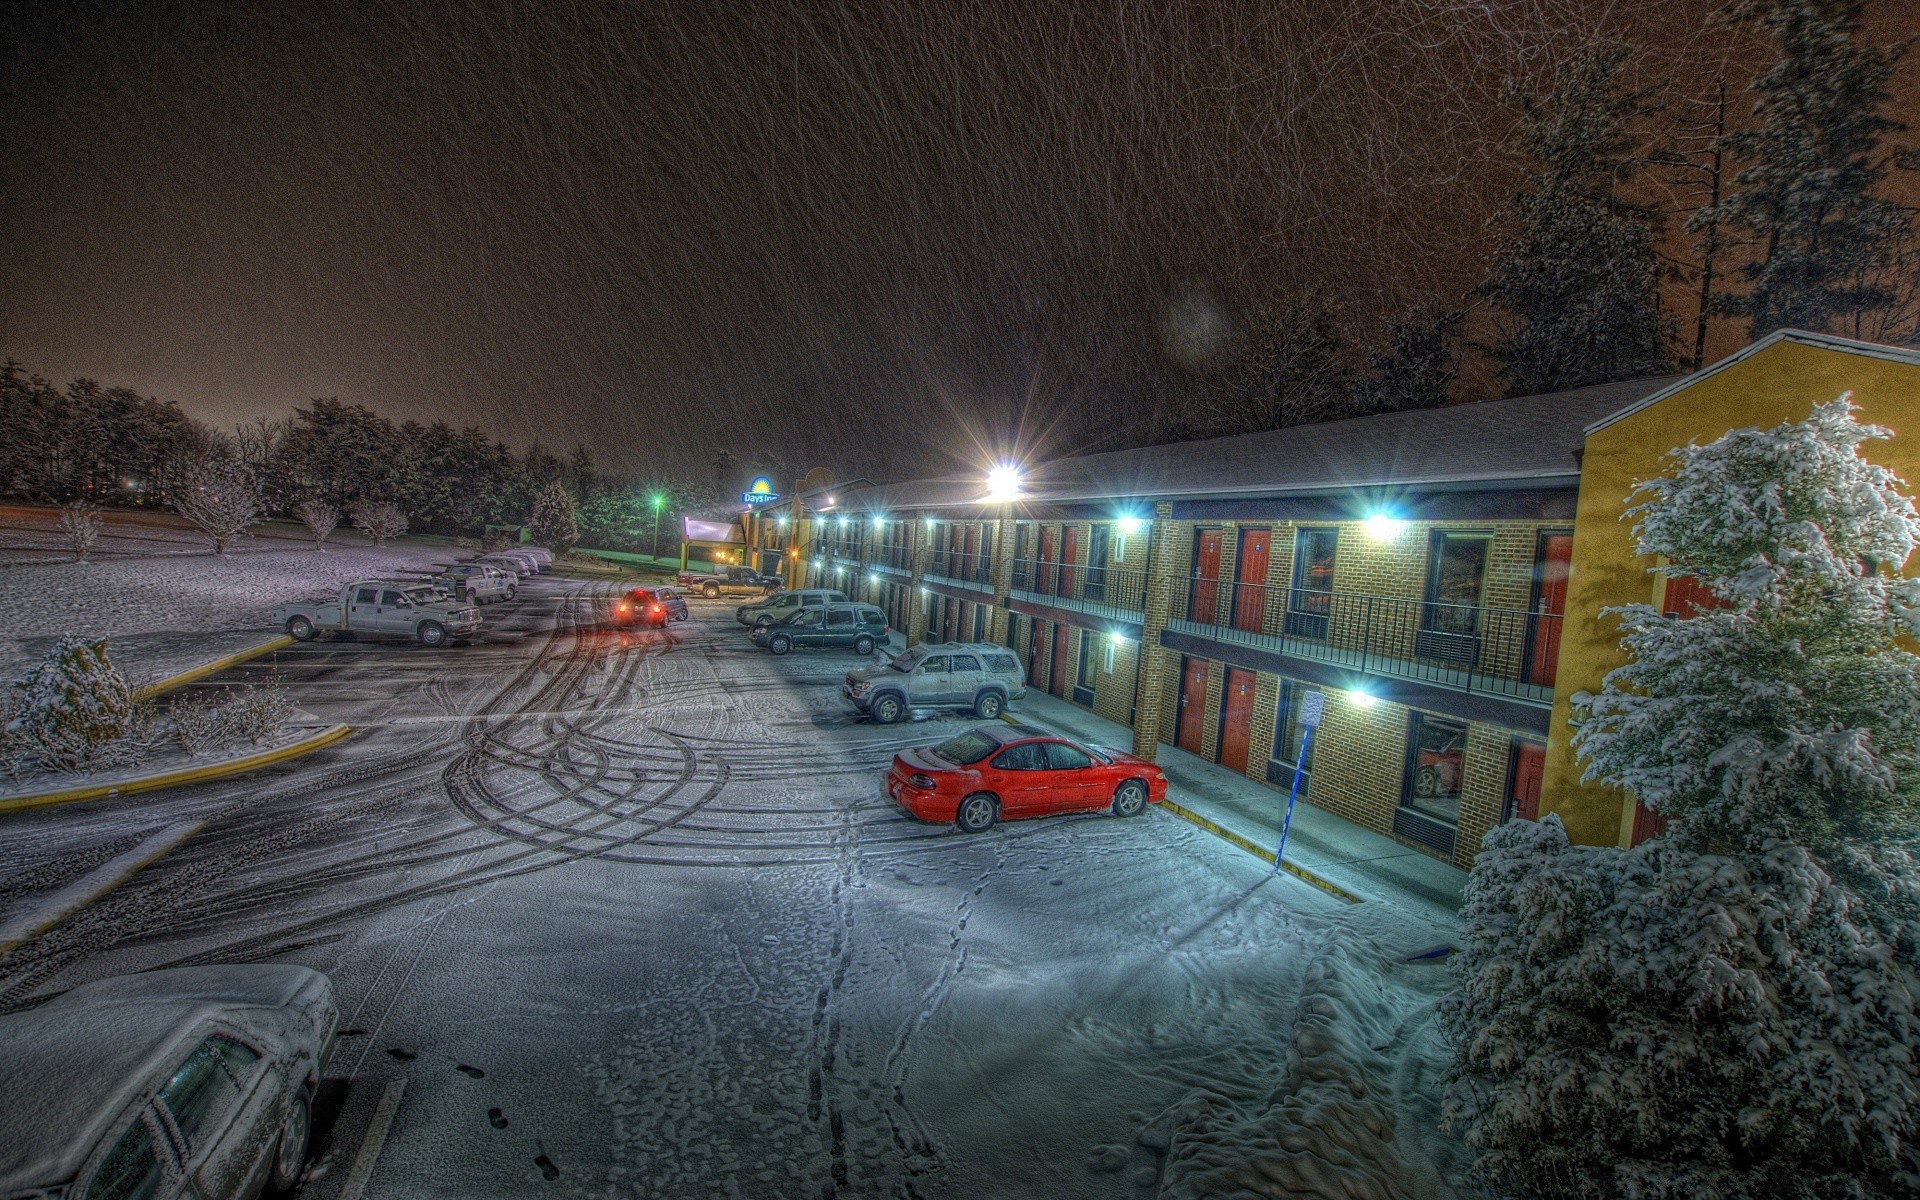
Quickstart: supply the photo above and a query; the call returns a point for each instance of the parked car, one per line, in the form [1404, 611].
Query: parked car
[1004, 772]
[383, 608]
[520, 565]
[782, 604]
[542, 557]
[648, 606]
[729, 581]
[972, 675]
[480, 583]
[193, 1082]
[861, 626]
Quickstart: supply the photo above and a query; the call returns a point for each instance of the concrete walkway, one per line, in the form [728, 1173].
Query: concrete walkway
[1370, 865]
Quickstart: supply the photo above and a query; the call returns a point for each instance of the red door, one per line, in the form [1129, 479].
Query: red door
[1043, 581]
[1201, 604]
[1529, 766]
[1250, 570]
[1236, 718]
[1193, 704]
[1687, 595]
[1646, 824]
[971, 568]
[1069, 558]
[1549, 602]
[1036, 641]
[1058, 676]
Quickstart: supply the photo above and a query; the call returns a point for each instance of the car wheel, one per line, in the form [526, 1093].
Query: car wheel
[711, 591]
[300, 629]
[780, 644]
[290, 1148]
[1130, 799]
[977, 813]
[1426, 781]
[863, 644]
[432, 633]
[988, 706]
[762, 622]
[888, 709]
[511, 592]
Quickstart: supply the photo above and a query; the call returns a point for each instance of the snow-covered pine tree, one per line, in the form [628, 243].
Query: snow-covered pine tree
[1727, 1011]
[72, 706]
[1418, 367]
[1578, 283]
[555, 521]
[1805, 196]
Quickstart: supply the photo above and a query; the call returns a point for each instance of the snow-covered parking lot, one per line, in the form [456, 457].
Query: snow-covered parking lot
[626, 914]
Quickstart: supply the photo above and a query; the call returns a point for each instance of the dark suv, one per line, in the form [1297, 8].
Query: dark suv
[860, 626]
[784, 604]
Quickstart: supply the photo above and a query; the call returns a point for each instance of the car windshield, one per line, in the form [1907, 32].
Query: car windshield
[910, 659]
[969, 747]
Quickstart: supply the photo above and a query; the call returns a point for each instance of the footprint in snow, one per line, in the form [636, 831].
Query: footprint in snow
[402, 1055]
[351, 1033]
[470, 1072]
[548, 1171]
[496, 1118]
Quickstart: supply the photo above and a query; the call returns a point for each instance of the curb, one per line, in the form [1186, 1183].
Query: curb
[1261, 852]
[167, 779]
[151, 690]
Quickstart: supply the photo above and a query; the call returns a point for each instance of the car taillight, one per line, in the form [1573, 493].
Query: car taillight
[654, 609]
[921, 781]
[623, 606]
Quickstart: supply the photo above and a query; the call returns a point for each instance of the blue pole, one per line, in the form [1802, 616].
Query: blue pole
[1293, 793]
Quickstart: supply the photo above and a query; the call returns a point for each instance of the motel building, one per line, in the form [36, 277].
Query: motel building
[1437, 576]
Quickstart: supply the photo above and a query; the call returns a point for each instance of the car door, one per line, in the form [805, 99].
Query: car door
[933, 681]
[1074, 780]
[840, 627]
[214, 1105]
[966, 677]
[394, 614]
[805, 627]
[364, 610]
[1018, 775]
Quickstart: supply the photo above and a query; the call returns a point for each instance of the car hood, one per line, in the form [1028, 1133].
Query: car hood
[74, 1066]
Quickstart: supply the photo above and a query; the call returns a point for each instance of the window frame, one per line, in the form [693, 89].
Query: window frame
[1417, 723]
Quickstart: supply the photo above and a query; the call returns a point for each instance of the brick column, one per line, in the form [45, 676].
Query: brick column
[916, 599]
[1000, 578]
[1151, 695]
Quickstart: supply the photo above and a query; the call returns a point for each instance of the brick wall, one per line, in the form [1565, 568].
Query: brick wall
[1113, 691]
[1483, 788]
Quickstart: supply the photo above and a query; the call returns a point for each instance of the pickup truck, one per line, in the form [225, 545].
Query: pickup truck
[730, 581]
[383, 608]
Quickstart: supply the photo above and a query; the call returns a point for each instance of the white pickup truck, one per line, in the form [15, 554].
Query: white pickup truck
[383, 608]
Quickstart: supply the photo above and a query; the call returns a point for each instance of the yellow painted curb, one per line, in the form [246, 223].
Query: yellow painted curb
[1259, 851]
[205, 669]
[167, 779]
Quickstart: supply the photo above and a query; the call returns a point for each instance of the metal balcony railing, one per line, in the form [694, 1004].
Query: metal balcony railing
[1464, 647]
[1091, 588]
[961, 567]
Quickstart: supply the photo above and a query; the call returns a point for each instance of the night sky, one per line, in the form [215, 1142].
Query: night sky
[893, 237]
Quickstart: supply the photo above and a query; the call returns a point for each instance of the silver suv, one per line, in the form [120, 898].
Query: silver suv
[785, 604]
[972, 675]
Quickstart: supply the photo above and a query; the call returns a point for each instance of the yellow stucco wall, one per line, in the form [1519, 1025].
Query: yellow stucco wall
[1780, 382]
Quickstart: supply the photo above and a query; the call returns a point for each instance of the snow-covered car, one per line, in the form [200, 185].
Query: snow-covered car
[383, 608]
[194, 1082]
[480, 583]
[542, 557]
[978, 676]
[520, 565]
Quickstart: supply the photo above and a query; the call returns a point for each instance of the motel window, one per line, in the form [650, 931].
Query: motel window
[1437, 754]
[1096, 586]
[1083, 677]
[1289, 737]
[1456, 576]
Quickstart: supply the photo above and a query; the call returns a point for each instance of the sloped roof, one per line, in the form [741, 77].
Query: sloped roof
[1516, 442]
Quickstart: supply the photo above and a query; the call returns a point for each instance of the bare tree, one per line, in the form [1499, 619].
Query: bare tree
[219, 494]
[319, 517]
[81, 521]
[379, 519]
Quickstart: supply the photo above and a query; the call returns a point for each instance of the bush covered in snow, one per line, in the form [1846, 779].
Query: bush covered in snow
[319, 517]
[381, 520]
[70, 708]
[1729, 1010]
[80, 521]
[218, 494]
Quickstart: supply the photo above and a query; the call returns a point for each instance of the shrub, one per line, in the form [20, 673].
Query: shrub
[72, 706]
[80, 521]
[380, 520]
[198, 723]
[256, 712]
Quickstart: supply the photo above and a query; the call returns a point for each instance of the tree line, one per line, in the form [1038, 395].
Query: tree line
[1787, 217]
[112, 447]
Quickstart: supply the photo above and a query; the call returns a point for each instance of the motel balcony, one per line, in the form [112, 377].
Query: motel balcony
[973, 571]
[1117, 593]
[1463, 648]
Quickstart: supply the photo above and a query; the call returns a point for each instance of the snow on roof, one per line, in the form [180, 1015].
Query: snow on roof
[1527, 439]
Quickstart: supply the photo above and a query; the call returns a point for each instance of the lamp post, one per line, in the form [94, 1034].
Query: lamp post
[657, 499]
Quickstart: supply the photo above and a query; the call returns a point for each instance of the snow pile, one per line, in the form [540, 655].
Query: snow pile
[1658, 1022]
[1335, 1126]
[69, 710]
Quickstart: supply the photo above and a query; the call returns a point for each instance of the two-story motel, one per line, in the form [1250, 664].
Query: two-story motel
[1439, 576]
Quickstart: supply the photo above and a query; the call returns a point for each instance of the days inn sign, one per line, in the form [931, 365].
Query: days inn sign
[761, 492]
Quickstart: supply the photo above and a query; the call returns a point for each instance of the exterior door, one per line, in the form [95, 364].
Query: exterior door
[1069, 558]
[1549, 602]
[1044, 568]
[1236, 718]
[1529, 767]
[1687, 595]
[1202, 601]
[1057, 676]
[1036, 660]
[971, 569]
[1250, 570]
[1193, 704]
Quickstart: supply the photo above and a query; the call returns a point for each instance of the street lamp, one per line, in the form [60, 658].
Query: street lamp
[657, 500]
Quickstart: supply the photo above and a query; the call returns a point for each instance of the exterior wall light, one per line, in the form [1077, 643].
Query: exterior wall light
[1130, 524]
[1003, 482]
[1361, 698]
[1384, 527]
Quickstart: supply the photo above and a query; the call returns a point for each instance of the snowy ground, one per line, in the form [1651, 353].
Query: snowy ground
[155, 589]
[628, 914]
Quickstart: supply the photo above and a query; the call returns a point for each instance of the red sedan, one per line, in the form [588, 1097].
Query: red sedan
[1016, 771]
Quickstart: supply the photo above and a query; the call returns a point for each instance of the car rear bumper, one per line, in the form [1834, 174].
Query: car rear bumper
[918, 804]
